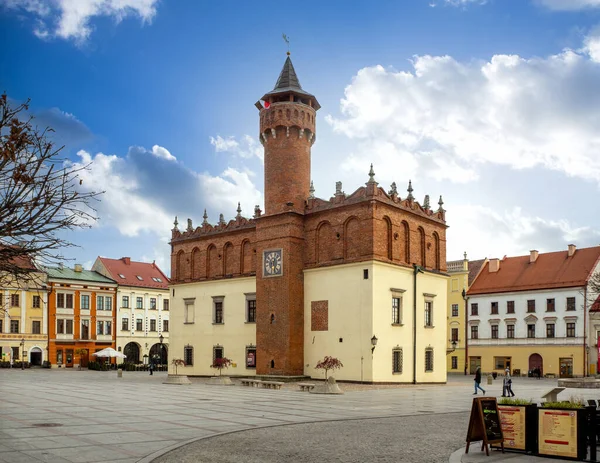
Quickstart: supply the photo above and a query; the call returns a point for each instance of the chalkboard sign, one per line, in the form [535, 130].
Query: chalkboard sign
[484, 424]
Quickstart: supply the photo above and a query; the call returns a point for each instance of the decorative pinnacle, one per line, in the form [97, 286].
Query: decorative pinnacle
[239, 211]
[394, 190]
[410, 190]
[205, 217]
[311, 191]
[371, 175]
[175, 223]
[190, 226]
[441, 203]
[257, 211]
[426, 205]
[465, 255]
[221, 219]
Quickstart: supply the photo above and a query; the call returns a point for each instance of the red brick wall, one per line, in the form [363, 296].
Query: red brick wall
[319, 315]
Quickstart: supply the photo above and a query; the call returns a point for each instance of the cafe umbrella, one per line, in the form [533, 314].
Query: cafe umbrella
[110, 353]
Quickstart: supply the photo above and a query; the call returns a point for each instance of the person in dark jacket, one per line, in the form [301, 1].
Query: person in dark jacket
[478, 381]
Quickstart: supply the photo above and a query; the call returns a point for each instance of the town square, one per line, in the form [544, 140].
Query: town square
[372, 236]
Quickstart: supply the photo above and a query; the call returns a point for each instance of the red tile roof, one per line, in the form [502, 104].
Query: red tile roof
[596, 305]
[550, 270]
[128, 273]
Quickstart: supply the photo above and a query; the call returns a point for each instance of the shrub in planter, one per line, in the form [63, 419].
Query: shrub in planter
[219, 364]
[513, 401]
[177, 363]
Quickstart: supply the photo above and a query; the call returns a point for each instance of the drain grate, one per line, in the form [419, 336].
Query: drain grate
[46, 425]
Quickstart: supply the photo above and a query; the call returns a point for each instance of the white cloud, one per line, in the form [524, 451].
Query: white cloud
[142, 194]
[569, 5]
[247, 148]
[163, 153]
[485, 232]
[464, 2]
[591, 45]
[70, 19]
[446, 118]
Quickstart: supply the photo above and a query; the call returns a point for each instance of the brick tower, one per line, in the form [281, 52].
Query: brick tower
[287, 132]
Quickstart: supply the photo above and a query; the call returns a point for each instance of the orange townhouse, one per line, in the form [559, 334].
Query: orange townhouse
[81, 315]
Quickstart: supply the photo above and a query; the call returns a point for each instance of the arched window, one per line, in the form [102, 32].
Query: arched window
[406, 242]
[179, 266]
[388, 238]
[436, 250]
[422, 247]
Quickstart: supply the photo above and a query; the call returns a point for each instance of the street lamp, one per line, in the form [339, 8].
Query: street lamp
[23, 354]
[373, 343]
[161, 339]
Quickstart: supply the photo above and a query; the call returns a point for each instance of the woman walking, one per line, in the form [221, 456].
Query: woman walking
[507, 385]
[478, 381]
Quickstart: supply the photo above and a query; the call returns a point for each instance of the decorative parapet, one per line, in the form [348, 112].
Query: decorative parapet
[238, 223]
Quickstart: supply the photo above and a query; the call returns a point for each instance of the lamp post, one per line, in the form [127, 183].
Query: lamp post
[22, 353]
[161, 339]
[373, 343]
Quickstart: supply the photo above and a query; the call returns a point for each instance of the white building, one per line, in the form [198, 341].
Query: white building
[142, 308]
[530, 313]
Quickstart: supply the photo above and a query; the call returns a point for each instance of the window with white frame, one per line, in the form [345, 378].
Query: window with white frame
[139, 303]
[428, 313]
[100, 328]
[218, 310]
[108, 303]
[189, 311]
[152, 325]
[152, 303]
[125, 302]
[455, 310]
[139, 324]
[85, 302]
[99, 302]
[396, 310]
[125, 324]
[250, 307]
[36, 302]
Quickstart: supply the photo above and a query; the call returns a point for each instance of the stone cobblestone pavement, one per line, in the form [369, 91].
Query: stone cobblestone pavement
[89, 416]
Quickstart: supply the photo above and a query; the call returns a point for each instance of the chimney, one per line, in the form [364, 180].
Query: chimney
[78, 268]
[572, 249]
[126, 260]
[494, 265]
[533, 255]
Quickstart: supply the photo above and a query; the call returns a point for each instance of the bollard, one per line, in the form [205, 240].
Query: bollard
[120, 373]
[489, 378]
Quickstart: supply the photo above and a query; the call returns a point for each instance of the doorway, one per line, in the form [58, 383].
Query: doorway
[35, 357]
[566, 367]
[536, 365]
[474, 363]
[69, 358]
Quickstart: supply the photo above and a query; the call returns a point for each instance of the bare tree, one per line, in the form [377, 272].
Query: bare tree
[594, 287]
[39, 197]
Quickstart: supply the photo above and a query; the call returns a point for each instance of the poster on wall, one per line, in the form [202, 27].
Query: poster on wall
[512, 420]
[558, 433]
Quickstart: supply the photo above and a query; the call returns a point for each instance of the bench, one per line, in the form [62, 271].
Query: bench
[306, 386]
[246, 382]
[255, 382]
[271, 384]
[552, 394]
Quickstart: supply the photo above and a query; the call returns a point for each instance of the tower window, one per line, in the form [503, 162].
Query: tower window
[366, 274]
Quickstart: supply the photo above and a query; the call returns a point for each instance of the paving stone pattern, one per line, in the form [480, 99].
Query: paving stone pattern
[104, 418]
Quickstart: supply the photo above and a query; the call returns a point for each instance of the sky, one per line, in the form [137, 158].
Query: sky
[494, 105]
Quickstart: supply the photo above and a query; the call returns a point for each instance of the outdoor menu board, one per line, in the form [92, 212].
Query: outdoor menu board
[558, 433]
[512, 420]
[484, 424]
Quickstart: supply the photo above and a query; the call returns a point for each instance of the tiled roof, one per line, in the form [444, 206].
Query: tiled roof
[140, 274]
[66, 273]
[474, 266]
[288, 82]
[550, 270]
[596, 305]
[15, 256]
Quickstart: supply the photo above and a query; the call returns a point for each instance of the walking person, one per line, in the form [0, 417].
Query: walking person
[508, 385]
[478, 381]
[151, 366]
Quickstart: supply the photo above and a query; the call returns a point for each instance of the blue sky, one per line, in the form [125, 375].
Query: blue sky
[493, 105]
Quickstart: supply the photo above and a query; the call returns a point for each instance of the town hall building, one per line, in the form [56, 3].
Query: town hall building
[360, 277]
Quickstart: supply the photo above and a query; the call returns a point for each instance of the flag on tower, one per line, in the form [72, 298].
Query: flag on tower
[266, 104]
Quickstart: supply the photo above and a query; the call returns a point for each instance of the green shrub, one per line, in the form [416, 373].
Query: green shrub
[513, 401]
[563, 405]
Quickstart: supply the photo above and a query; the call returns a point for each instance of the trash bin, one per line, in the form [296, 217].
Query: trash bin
[494, 375]
[120, 373]
[489, 378]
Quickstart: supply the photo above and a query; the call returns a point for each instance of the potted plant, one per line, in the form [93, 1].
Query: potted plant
[177, 378]
[219, 364]
[330, 386]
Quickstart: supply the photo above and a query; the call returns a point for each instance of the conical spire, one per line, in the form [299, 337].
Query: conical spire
[239, 211]
[371, 175]
[311, 190]
[441, 203]
[175, 223]
[426, 205]
[410, 190]
[288, 79]
[205, 217]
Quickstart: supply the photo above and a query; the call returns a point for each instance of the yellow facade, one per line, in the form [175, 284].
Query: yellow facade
[458, 281]
[558, 360]
[24, 317]
[360, 308]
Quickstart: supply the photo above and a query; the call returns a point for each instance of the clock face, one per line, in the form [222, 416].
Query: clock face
[272, 263]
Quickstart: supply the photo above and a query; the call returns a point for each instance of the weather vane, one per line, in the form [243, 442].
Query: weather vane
[287, 40]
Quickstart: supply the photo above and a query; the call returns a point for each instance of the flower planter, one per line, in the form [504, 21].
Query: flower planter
[177, 379]
[328, 387]
[220, 381]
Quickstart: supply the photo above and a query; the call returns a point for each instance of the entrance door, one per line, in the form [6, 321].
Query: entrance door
[69, 358]
[536, 365]
[474, 362]
[84, 358]
[566, 367]
[35, 357]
